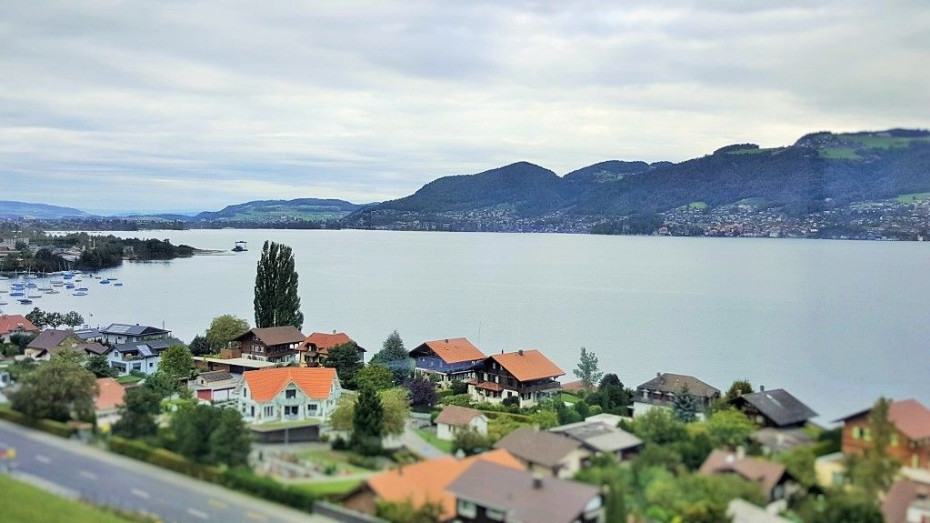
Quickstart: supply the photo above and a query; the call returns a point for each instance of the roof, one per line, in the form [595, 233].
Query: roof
[543, 448]
[453, 350]
[779, 406]
[109, 394]
[676, 383]
[86, 334]
[528, 365]
[457, 416]
[94, 347]
[599, 436]
[15, 322]
[427, 480]
[49, 339]
[323, 341]
[269, 336]
[215, 375]
[238, 362]
[524, 497]
[576, 386]
[900, 496]
[742, 511]
[265, 384]
[148, 347]
[125, 329]
[910, 417]
[766, 473]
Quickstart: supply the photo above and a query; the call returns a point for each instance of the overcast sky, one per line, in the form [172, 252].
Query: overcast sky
[150, 106]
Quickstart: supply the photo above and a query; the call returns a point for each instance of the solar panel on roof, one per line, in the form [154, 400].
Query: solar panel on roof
[145, 351]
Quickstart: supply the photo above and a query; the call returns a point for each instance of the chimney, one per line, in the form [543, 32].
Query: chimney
[520, 352]
[334, 331]
[658, 374]
[761, 388]
[447, 340]
[537, 481]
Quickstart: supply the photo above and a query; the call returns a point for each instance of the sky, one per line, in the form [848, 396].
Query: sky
[126, 106]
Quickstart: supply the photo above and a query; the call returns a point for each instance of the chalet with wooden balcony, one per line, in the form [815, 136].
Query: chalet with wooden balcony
[271, 344]
[315, 348]
[448, 360]
[527, 375]
[910, 443]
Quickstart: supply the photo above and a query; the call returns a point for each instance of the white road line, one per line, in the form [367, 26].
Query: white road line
[43, 459]
[141, 493]
[197, 513]
[256, 516]
[88, 475]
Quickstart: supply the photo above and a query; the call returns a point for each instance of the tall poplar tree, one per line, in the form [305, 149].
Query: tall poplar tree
[276, 300]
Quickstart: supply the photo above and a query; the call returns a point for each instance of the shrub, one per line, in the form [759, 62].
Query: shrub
[245, 481]
[339, 443]
[365, 462]
[56, 428]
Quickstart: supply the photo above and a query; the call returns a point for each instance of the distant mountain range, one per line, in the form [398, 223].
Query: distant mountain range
[270, 210]
[11, 209]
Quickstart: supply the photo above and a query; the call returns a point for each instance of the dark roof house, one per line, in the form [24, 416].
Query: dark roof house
[545, 452]
[774, 408]
[601, 437]
[662, 390]
[773, 478]
[487, 491]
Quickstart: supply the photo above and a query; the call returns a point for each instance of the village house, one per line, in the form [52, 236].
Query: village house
[910, 443]
[525, 375]
[11, 324]
[601, 437]
[660, 392]
[774, 408]
[273, 344]
[448, 360]
[454, 419]
[491, 492]
[545, 452]
[420, 483]
[141, 357]
[109, 398]
[908, 499]
[215, 386]
[773, 479]
[315, 348]
[50, 341]
[289, 394]
[118, 333]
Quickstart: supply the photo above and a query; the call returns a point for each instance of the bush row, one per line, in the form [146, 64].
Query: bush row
[55, 428]
[242, 480]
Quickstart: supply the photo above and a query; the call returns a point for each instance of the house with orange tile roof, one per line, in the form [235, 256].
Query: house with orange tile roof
[282, 394]
[11, 324]
[448, 360]
[527, 375]
[422, 483]
[315, 348]
[109, 399]
[910, 443]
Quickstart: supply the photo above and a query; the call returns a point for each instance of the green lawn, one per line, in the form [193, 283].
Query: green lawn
[568, 397]
[839, 153]
[697, 206]
[275, 425]
[913, 197]
[883, 142]
[128, 379]
[330, 489]
[28, 504]
[332, 457]
[433, 439]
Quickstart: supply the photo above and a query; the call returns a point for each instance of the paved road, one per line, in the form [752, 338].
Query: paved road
[417, 444]
[72, 468]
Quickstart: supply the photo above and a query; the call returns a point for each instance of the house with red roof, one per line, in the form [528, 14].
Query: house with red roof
[284, 394]
[109, 399]
[448, 360]
[11, 324]
[910, 443]
[527, 375]
[315, 348]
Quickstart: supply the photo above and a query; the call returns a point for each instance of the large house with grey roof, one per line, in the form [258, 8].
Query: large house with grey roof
[139, 356]
[118, 333]
[774, 408]
[660, 392]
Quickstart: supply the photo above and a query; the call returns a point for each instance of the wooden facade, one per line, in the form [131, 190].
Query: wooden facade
[857, 437]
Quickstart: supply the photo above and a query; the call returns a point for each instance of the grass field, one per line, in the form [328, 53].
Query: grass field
[839, 153]
[884, 142]
[697, 206]
[568, 397]
[433, 439]
[329, 489]
[913, 197]
[24, 503]
[340, 460]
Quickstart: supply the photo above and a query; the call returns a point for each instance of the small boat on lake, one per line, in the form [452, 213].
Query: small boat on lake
[17, 294]
[79, 294]
[26, 302]
[104, 281]
[240, 246]
[81, 289]
[118, 284]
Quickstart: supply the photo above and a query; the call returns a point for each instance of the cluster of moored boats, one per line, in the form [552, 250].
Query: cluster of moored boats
[26, 287]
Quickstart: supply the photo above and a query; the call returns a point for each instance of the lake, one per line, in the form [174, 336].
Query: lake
[837, 323]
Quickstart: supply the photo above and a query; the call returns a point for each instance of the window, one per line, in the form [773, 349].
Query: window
[151, 364]
[311, 407]
[496, 515]
[857, 433]
[867, 434]
[253, 411]
[291, 410]
[269, 411]
[467, 509]
[136, 366]
[290, 393]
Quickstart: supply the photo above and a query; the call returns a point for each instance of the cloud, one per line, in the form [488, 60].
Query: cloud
[180, 105]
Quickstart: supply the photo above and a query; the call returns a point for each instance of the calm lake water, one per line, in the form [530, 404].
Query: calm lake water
[837, 323]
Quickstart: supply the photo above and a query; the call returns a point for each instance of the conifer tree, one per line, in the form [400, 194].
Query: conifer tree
[367, 423]
[276, 300]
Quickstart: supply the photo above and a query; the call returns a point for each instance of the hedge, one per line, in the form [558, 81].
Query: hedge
[56, 428]
[242, 480]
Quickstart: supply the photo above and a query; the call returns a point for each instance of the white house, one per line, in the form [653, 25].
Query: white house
[289, 394]
[454, 419]
[118, 333]
[143, 357]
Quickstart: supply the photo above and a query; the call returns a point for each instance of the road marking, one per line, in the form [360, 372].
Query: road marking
[217, 503]
[88, 475]
[256, 516]
[43, 459]
[141, 493]
[197, 513]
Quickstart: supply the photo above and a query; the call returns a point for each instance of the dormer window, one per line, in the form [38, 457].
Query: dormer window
[290, 393]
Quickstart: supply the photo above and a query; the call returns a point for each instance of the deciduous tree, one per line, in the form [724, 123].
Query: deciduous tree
[422, 391]
[223, 329]
[276, 300]
[140, 407]
[729, 427]
[100, 366]
[374, 376]
[873, 471]
[58, 390]
[230, 441]
[176, 362]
